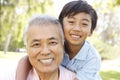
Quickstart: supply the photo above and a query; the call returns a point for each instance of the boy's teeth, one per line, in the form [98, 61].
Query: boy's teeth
[74, 36]
[46, 61]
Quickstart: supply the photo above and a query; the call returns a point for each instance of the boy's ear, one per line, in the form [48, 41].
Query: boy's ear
[90, 33]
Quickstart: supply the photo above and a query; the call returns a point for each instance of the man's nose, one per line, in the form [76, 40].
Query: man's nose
[45, 50]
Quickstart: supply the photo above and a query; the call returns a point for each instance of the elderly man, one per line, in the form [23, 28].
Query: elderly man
[45, 47]
[44, 42]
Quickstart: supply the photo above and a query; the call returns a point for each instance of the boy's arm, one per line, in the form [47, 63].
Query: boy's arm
[23, 68]
[75, 79]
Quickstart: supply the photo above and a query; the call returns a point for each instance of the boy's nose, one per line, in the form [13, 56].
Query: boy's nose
[77, 28]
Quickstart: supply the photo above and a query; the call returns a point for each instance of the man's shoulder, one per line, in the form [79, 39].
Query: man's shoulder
[66, 74]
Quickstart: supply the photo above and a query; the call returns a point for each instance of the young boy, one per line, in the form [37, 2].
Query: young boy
[78, 20]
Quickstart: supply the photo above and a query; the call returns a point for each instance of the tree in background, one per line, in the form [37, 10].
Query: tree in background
[107, 34]
[13, 16]
[108, 25]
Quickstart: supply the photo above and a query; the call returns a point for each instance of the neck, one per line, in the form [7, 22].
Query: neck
[49, 76]
[72, 50]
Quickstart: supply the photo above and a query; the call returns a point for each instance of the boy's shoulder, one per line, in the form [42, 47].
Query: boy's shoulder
[92, 51]
[90, 47]
[88, 50]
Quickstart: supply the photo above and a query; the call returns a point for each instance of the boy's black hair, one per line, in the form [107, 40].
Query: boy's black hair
[74, 7]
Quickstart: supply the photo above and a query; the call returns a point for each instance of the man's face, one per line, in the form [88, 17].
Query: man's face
[45, 47]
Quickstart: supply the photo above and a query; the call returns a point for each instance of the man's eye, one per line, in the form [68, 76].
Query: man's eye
[36, 45]
[53, 43]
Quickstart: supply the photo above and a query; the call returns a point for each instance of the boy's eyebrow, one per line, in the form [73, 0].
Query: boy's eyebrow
[71, 17]
[82, 19]
[86, 20]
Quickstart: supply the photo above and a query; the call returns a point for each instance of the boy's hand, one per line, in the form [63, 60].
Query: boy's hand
[23, 68]
[75, 79]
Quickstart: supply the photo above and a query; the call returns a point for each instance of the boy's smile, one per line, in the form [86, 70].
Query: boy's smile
[77, 28]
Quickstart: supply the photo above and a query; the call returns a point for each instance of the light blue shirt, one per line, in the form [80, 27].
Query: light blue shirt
[86, 64]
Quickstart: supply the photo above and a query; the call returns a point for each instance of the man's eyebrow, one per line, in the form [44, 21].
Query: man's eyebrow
[35, 40]
[53, 38]
[38, 40]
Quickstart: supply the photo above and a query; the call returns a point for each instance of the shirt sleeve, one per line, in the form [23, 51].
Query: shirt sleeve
[90, 70]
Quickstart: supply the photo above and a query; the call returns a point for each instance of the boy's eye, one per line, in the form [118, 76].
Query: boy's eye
[71, 22]
[84, 24]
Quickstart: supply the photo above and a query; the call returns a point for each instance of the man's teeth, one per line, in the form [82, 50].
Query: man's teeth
[46, 61]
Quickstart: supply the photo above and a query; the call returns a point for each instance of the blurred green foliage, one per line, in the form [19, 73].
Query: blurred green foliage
[110, 75]
[106, 50]
[14, 15]
[118, 2]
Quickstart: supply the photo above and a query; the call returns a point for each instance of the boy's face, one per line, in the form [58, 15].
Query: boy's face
[45, 47]
[77, 28]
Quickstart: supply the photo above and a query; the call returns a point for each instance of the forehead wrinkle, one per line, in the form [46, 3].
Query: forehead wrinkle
[53, 38]
[35, 40]
[38, 40]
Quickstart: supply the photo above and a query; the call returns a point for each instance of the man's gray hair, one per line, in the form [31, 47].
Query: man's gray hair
[42, 19]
